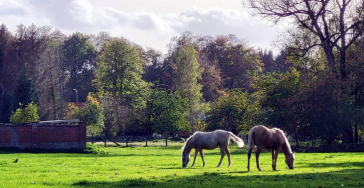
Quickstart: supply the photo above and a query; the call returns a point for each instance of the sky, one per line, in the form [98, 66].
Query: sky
[149, 23]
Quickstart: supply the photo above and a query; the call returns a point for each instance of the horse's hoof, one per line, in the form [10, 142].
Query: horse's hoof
[260, 170]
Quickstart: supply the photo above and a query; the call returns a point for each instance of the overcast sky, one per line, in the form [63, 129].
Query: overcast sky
[150, 23]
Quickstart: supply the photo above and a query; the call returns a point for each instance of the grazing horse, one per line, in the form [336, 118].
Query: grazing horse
[273, 139]
[209, 140]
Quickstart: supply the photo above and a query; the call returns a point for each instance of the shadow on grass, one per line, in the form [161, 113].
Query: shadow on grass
[342, 165]
[347, 178]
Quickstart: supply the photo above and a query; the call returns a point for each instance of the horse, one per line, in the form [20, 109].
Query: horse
[273, 139]
[209, 141]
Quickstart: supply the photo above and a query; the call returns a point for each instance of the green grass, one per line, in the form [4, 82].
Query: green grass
[162, 167]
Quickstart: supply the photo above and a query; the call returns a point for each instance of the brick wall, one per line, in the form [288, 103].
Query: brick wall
[44, 135]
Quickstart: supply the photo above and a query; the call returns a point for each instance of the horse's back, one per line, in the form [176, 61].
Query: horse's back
[211, 140]
[265, 137]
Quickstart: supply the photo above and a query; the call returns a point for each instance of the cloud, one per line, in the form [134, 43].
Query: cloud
[12, 8]
[145, 28]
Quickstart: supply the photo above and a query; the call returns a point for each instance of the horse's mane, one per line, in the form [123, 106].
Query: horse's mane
[189, 139]
[285, 140]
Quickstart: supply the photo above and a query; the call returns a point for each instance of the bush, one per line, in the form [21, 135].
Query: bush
[26, 115]
[90, 148]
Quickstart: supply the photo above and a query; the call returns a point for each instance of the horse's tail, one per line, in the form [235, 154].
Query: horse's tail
[251, 139]
[236, 139]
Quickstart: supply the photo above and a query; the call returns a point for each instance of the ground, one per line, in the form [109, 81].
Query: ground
[160, 166]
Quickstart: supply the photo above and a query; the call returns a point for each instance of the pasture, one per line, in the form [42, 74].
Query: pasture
[160, 166]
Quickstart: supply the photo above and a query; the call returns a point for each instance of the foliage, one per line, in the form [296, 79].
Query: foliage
[92, 114]
[24, 91]
[236, 61]
[72, 111]
[166, 112]
[187, 73]
[275, 92]
[79, 57]
[119, 73]
[5, 107]
[119, 80]
[25, 115]
[90, 148]
[330, 25]
[238, 111]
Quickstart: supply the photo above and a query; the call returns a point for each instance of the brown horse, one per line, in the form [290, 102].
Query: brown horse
[273, 139]
[209, 140]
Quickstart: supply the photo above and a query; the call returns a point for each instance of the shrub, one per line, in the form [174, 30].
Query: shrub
[26, 115]
[90, 148]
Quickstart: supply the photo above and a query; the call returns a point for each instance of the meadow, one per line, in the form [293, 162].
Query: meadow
[160, 166]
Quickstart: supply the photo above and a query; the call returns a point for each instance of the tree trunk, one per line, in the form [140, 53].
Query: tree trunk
[296, 137]
[92, 135]
[146, 140]
[166, 141]
[348, 135]
[356, 134]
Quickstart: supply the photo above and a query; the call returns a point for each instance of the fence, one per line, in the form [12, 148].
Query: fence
[44, 135]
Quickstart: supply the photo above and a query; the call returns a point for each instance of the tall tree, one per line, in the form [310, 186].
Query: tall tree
[24, 91]
[187, 73]
[329, 24]
[119, 75]
[236, 62]
[79, 57]
[166, 113]
[52, 78]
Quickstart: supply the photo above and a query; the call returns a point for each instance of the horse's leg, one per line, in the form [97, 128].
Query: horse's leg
[275, 157]
[259, 149]
[222, 155]
[194, 159]
[249, 155]
[203, 159]
[228, 154]
[273, 160]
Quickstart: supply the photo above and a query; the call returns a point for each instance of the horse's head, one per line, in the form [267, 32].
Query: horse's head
[185, 159]
[289, 160]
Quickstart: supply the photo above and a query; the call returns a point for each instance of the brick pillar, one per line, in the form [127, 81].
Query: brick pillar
[34, 135]
[82, 135]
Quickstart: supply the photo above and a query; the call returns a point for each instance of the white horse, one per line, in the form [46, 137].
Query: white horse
[209, 140]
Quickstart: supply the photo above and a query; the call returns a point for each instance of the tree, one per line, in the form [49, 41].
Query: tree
[332, 25]
[5, 40]
[119, 76]
[5, 107]
[186, 75]
[237, 111]
[92, 114]
[235, 61]
[79, 57]
[26, 115]
[326, 23]
[275, 92]
[52, 78]
[24, 92]
[166, 112]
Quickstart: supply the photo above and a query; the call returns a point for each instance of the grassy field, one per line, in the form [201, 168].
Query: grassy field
[160, 166]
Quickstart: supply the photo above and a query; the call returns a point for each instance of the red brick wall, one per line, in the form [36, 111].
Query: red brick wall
[43, 136]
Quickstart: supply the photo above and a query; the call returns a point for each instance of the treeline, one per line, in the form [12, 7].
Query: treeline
[203, 83]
